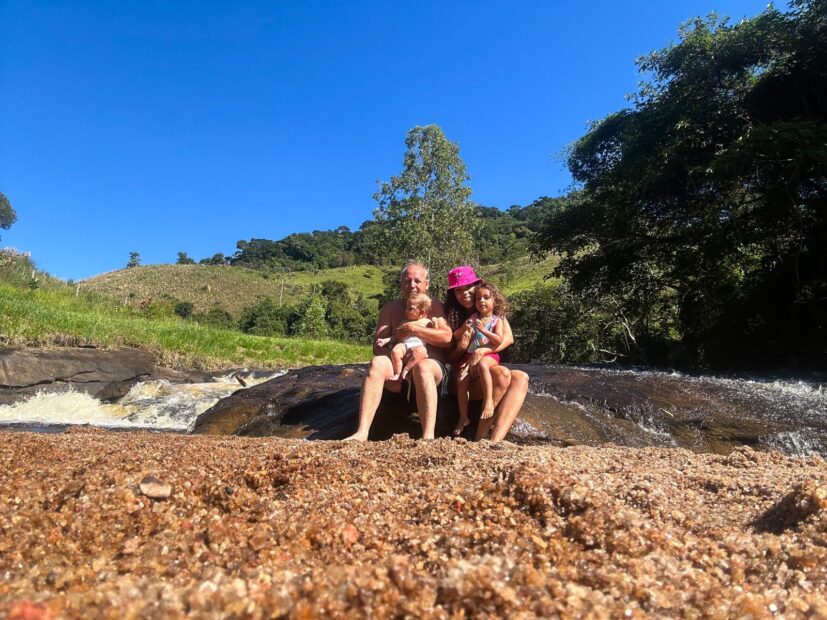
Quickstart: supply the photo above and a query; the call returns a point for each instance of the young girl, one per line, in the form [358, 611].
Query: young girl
[486, 328]
[417, 309]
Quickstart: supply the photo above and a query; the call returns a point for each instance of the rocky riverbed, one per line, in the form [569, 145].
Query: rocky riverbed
[264, 527]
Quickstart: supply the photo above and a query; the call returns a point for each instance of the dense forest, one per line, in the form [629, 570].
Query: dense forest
[701, 227]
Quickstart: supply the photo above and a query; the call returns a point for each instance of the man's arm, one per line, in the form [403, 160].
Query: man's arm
[383, 330]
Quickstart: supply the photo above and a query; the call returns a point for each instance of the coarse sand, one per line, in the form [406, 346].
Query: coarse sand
[143, 525]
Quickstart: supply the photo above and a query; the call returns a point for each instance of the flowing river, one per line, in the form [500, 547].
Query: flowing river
[152, 405]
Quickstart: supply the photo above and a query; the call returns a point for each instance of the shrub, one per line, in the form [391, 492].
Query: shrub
[312, 323]
[265, 318]
[183, 309]
[218, 318]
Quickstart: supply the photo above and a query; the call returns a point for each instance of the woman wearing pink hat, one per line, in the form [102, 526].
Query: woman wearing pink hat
[509, 386]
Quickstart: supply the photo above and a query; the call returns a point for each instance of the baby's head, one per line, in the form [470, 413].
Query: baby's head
[417, 307]
[489, 300]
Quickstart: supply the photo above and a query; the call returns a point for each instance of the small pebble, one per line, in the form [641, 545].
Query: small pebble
[154, 488]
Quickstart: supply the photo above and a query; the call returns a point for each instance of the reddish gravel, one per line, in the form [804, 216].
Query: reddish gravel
[256, 528]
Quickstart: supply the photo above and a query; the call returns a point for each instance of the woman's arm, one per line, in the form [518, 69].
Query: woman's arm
[507, 335]
[461, 339]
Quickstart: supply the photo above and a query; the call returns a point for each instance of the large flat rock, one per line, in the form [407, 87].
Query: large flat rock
[317, 402]
[565, 406]
[103, 374]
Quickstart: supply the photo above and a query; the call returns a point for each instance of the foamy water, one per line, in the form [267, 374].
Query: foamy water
[154, 404]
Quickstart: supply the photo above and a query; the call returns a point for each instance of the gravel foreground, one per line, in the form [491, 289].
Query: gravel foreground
[260, 528]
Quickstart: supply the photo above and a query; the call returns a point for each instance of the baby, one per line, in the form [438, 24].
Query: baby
[417, 308]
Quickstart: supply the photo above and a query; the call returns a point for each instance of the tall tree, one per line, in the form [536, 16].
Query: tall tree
[426, 212]
[184, 259]
[134, 260]
[7, 214]
[704, 206]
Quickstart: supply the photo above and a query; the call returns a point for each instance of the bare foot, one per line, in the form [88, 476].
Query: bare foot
[357, 437]
[487, 410]
[461, 424]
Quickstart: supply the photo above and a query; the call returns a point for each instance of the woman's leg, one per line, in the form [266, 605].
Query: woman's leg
[510, 405]
[462, 404]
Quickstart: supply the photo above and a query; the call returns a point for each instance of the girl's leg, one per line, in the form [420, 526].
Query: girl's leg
[501, 379]
[462, 405]
[484, 371]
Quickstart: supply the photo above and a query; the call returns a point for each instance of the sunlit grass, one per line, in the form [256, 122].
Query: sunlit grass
[521, 274]
[49, 317]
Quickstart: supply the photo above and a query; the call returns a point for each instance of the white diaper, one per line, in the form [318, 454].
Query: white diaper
[411, 342]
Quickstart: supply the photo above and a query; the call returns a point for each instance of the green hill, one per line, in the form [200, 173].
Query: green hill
[229, 288]
[235, 288]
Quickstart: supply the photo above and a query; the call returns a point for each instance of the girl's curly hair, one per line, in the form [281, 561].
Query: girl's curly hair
[500, 302]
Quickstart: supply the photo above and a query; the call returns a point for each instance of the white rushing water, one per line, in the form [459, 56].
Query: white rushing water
[154, 404]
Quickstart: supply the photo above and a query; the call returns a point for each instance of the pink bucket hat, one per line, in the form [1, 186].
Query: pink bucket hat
[462, 276]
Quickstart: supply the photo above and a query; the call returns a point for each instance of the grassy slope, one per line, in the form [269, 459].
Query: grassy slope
[234, 288]
[230, 288]
[44, 317]
[521, 274]
[103, 311]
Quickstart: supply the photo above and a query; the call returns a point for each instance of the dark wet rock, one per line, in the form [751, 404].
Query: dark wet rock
[103, 374]
[639, 408]
[317, 402]
[565, 406]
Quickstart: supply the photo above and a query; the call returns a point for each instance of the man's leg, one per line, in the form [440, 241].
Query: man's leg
[371, 394]
[510, 405]
[427, 375]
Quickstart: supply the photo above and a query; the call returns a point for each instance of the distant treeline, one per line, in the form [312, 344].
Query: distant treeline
[504, 236]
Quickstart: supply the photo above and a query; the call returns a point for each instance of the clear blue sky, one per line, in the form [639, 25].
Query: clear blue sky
[162, 127]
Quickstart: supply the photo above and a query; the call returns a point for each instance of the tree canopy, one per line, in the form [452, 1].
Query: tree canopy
[704, 206]
[7, 213]
[425, 212]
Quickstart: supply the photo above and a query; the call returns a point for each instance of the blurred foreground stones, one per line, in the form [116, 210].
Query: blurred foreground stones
[269, 527]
